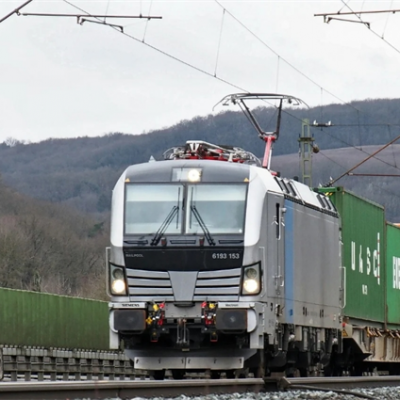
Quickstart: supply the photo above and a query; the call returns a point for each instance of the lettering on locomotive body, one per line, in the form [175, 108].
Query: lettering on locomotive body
[396, 272]
[372, 259]
[225, 256]
[137, 255]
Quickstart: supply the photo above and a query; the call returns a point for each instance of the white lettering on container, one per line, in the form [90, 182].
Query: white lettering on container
[396, 272]
[373, 265]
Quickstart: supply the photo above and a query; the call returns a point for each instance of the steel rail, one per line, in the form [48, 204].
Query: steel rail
[62, 390]
[339, 382]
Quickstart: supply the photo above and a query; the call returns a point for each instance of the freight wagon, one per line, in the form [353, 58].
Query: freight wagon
[45, 333]
[371, 284]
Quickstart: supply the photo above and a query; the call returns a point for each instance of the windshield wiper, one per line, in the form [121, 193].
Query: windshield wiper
[203, 226]
[163, 227]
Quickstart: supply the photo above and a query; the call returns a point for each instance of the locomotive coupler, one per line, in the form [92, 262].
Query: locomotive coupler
[214, 337]
[182, 332]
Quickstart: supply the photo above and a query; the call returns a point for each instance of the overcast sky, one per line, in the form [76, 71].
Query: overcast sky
[61, 79]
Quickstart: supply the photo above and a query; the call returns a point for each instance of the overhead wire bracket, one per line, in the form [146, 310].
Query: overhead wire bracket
[81, 20]
[88, 15]
[334, 16]
[329, 19]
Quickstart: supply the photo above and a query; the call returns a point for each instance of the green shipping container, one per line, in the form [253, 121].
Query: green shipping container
[363, 224]
[393, 274]
[45, 320]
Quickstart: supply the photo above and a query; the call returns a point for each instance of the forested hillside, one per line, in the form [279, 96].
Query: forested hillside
[50, 247]
[81, 172]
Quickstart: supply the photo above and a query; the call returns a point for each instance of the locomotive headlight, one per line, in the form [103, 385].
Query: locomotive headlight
[186, 174]
[118, 284]
[194, 175]
[251, 280]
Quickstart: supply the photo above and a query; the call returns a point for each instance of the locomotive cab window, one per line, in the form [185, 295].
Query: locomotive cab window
[149, 206]
[219, 208]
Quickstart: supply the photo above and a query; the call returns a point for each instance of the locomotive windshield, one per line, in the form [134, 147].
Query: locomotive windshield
[221, 207]
[174, 209]
[149, 206]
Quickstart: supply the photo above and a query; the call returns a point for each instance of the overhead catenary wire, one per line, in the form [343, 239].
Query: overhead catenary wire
[175, 58]
[281, 58]
[362, 151]
[277, 73]
[219, 42]
[365, 160]
[387, 20]
[218, 77]
[16, 11]
[297, 70]
[147, 22]
[107, 7]
[171, 56]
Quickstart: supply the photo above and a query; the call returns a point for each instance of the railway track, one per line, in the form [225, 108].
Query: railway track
[126, 389]
[188, 387]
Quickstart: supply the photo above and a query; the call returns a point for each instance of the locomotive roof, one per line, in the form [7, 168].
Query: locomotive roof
[227, 172]
[212, 171]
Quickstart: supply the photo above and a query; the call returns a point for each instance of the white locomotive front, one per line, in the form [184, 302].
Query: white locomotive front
[218, 264]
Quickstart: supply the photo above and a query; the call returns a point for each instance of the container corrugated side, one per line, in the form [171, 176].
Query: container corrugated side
[45, 320]
[393, 274]
[363, 224]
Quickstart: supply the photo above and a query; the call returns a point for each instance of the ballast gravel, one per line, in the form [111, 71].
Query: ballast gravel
[385, 393]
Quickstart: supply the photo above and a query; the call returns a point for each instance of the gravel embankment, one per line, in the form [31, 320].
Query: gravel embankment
[387, 393]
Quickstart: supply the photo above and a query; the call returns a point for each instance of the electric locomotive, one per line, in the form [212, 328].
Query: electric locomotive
[216, 263]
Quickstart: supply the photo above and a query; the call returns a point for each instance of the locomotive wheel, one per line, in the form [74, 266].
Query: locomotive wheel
[215, 374]
[159, 374]
[258, 372]
[357, 370]
[230, 374]
[303, 372]
[178, 373]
